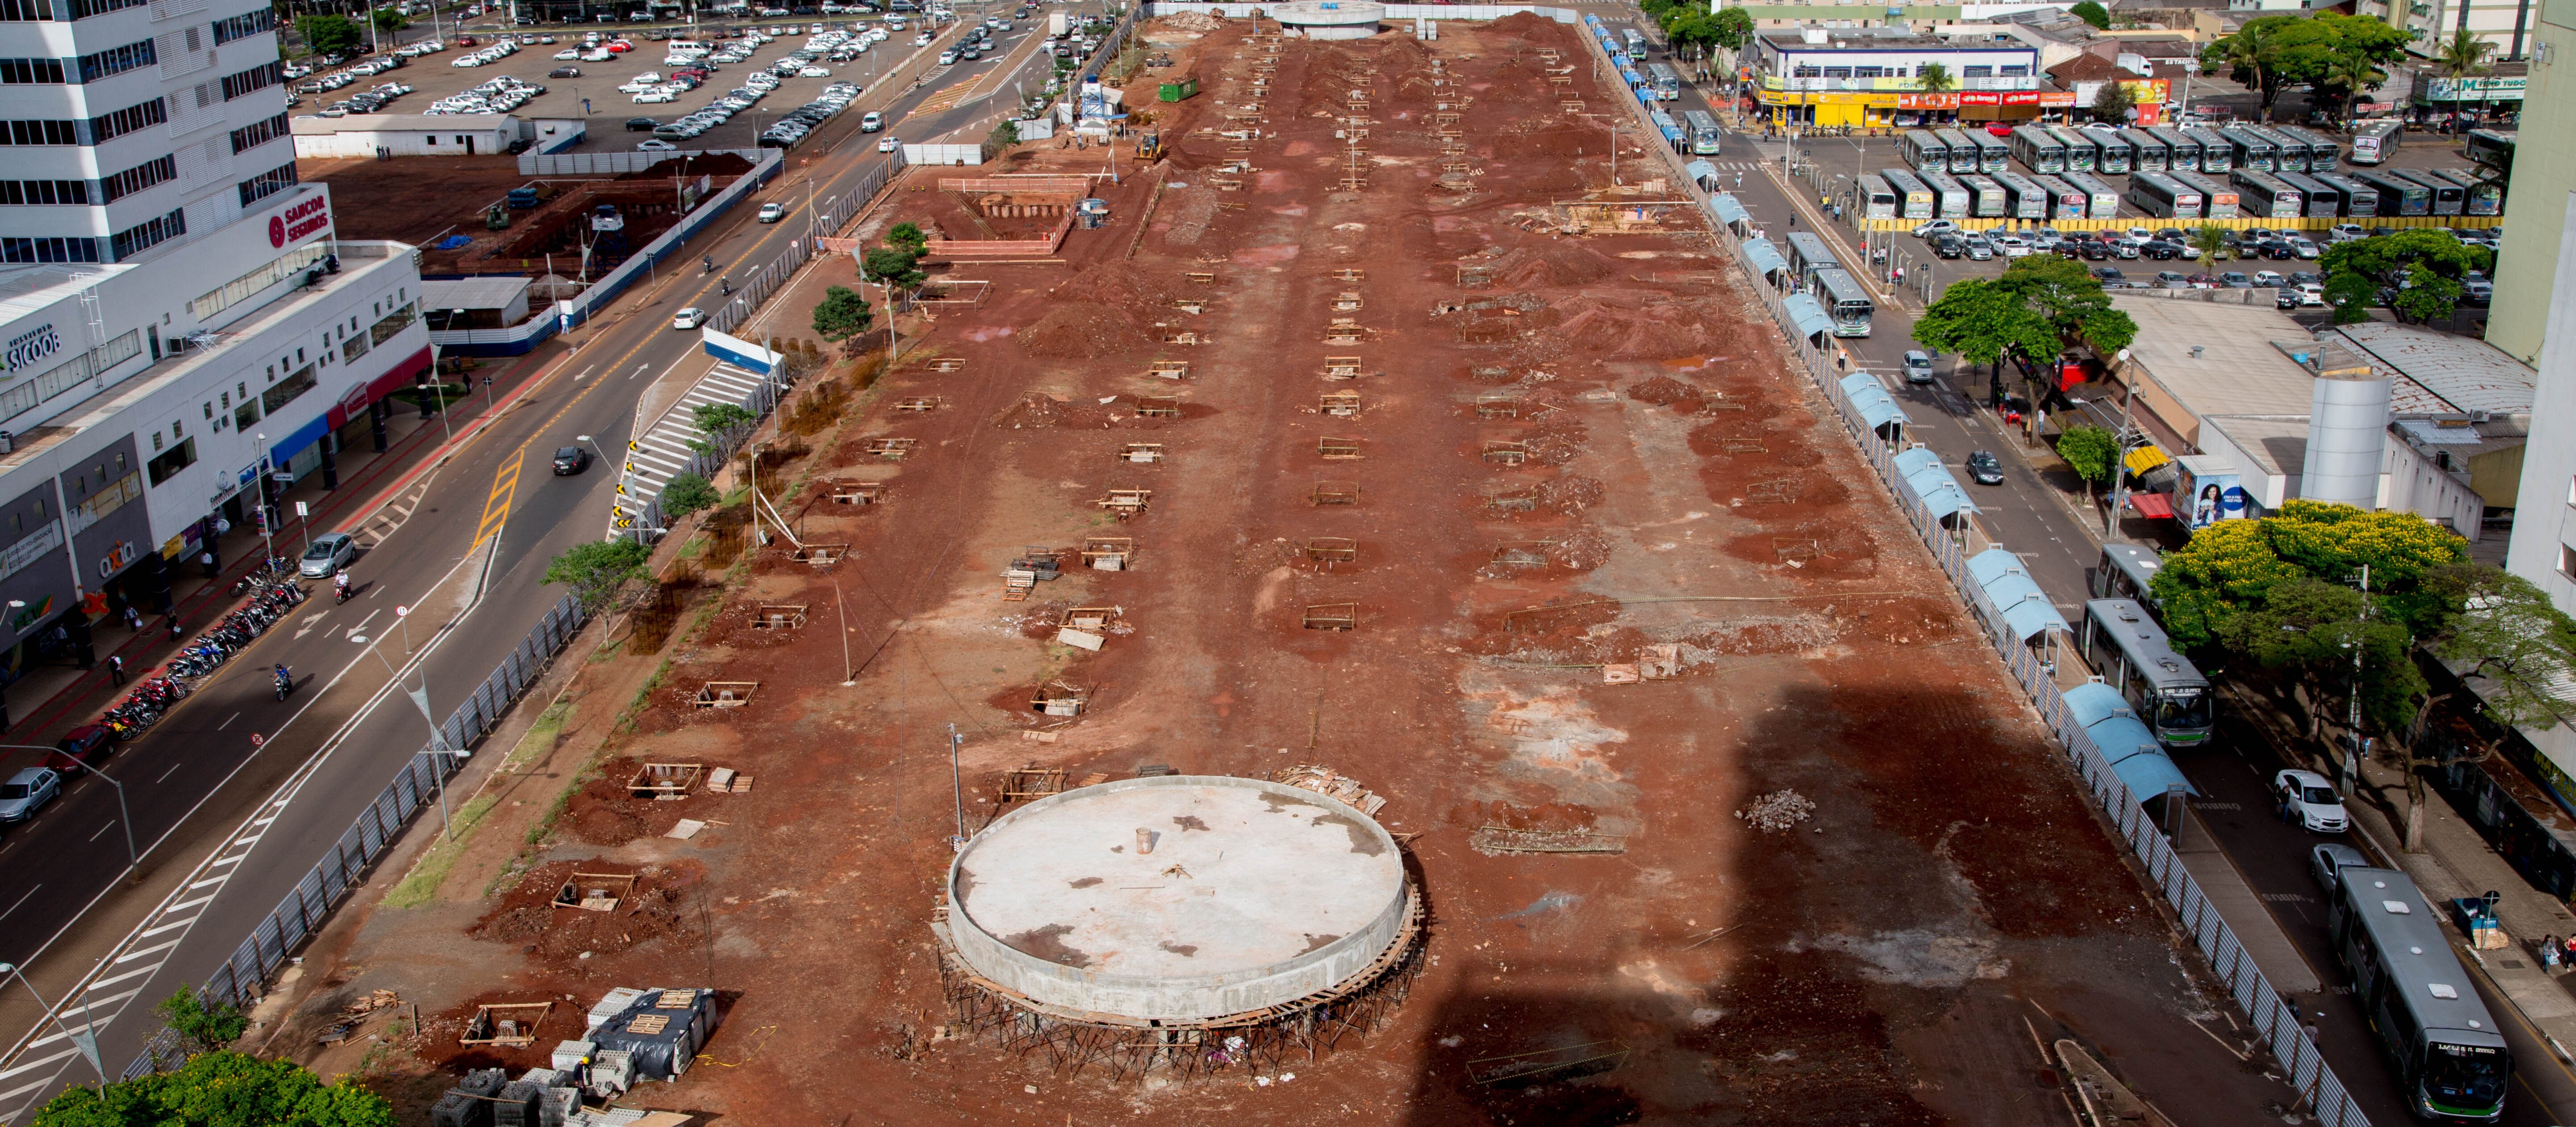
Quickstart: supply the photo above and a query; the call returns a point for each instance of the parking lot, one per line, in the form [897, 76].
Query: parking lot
[594, 94]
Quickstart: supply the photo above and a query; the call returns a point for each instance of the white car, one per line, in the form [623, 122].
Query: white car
[2012, 246]
[655, 144]
[889, 145]
[2304, 247]
[921, 40]
[1927, 229]
[651, 97]
[2311, 294]
[772, 212]
[569, 54]
[815, 72]
[2306, 799]
[2346, 232]
[2138, 236]
[689, 318]
[947, 58]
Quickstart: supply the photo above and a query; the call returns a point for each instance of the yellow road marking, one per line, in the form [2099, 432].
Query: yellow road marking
[505, 488]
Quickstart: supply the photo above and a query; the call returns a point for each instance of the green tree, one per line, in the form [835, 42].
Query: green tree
[2113, 102]
[712, 420]
[1005, 134]
[329, 35]
[842, 314]
[2461, 57]
[2351, 295]
[2425, 266]
[201, 1025]
[687, 493]
[2208, 241]
[909, 236]
[2093, 13]
[2071, 300]
[2307, 629]
[895, 265]
[2350, 76]
[2091, 452]
[1731, 28]
[2275, 54]
[1982, 321]
[2506, 642]
[389, 20]
[597, 570]
[2233, 565]
[1931, 78]
[221, 1090]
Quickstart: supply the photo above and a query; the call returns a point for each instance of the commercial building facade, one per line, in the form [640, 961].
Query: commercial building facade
[2528, 265]
[1865, 77]
[180, 329]
[2544, 528]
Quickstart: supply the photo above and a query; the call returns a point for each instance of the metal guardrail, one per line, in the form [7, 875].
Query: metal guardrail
[305, 910]
[2276, 1022]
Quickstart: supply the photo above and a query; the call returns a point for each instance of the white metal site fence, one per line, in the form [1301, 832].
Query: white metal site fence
[829, 216]
[2277, 1022]
[303, 912]
[618, 163]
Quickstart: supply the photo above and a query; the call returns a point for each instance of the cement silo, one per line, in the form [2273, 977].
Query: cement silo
[2347, 423]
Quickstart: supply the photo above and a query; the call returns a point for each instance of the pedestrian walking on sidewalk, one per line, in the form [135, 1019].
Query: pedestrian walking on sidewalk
[175, 635]
[206, 560]
[134, 619]
[116, 669]
[2549, 952]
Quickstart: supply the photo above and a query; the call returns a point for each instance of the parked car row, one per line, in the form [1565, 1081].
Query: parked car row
[488, 55]
[368, 102]
[500, 95]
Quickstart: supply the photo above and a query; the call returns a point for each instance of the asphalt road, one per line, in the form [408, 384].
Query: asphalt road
[486, 521]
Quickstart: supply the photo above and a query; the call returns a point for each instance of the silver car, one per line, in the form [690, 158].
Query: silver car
[26, 791]
[328, 555]
[1918, 367]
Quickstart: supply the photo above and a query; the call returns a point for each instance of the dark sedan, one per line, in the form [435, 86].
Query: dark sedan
[571, 460]
[641, 125]
[2161, 250]
[1985, 468]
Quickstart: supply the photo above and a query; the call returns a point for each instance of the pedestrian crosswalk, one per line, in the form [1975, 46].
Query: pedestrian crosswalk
[666, 450]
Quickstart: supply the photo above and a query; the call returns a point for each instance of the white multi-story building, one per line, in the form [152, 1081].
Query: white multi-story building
[2544, 526]
[179, 325]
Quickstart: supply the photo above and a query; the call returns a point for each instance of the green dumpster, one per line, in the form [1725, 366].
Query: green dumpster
[1180, 88]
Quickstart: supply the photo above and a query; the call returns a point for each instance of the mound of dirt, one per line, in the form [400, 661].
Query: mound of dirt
[1119, 283]
[1039, 411]
[1657, 330]
[603, 813]
[1557, 439]
[652, 910]
[1526, 27]
[1552, 264]
[1665, 391]
[1198, 22]
[1083, 330]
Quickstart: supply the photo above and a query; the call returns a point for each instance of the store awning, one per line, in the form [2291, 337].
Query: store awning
[1810, 316]
[1728, 210]
[1765, 257]
[2152, 506]
[2144, 458]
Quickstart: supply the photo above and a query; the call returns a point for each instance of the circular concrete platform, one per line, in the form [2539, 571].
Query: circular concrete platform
[1330, 19]
[1244, 894]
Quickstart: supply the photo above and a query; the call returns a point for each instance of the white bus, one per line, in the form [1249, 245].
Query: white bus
[2023, 198]
[1949, 196]
[1913, 196]
[1702, 130]
[1841, 295]
[2375, 141]
[2163, 197]
[2101, 202]
[1876, 200]
[1987, 200]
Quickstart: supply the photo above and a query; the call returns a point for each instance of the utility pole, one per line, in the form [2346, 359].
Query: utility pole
[957, 784]
[2120, 442]
[2352, 721]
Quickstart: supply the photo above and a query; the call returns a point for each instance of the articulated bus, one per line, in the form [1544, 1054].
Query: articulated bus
[2023, 198]
[2216, 154]
[2447, 198]
[1841, 295]
[2038, 150]
[2065, 201]
[2360, 201]
[2325, 201]
[2375, 141]
[2248, 149]
[2132, 655]
[2119, 154]
[2482, 197]
[2148, 152]
[2217, 200]
[2082, 151]
[2488, 146]
[1949, 197]
[2125, 571]
[2264, 195]
[1985, 197]
[1703, 132]
[1993, 155]
[2161, 195]
[2450, 1062]
[1913, 198]
[2101, 201]
[1963, 152]
[1923, 152]
[2323, 153]
[1667, 82]
[1807, 255]
[1876, 200]
[2182, 150]
[2398, 195]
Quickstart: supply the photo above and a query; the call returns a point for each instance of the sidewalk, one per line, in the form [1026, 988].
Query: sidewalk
[2456, 862]
[50, 699]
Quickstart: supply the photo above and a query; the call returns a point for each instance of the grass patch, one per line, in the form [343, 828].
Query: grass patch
[420, 886]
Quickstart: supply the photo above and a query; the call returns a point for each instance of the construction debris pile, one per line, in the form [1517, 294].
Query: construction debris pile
[1777, 812]
[1331, 784]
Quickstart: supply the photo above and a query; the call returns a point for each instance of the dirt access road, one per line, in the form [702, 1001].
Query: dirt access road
[1643, 461]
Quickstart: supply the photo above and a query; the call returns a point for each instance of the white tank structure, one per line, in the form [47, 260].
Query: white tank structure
[2347, 427]
[1233, 918]
[1329, 19]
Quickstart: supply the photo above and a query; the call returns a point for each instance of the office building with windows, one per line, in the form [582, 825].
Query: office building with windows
[181, 329]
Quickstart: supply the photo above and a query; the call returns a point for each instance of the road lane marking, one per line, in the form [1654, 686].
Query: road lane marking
[111, 824]
[505, 488]
[228, 721]
[21, 900]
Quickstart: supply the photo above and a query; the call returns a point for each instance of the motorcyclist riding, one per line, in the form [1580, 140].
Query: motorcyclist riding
[285, 680]
[340, 586]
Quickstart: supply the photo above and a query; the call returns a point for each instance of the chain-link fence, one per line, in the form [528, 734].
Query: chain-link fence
[2276, 1021]
[303, 912]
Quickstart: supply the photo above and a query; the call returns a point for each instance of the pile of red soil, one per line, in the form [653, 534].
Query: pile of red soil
[1039, 411]
[1083, 330]
[1657, 329]
[1665, 391]
[603, 813]
[657, 908]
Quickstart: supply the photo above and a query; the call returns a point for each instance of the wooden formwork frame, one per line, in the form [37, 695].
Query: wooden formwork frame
[1744, 444]
[1348, 301]
[1060, 698]
[1339, 449]
[857, 492]
[596, 892]
[1158, 407]
[1475, 277]
[1513, 501]
[1141, 452]
[818, 554]
[1167, 369]
[1017, 583]
[948, 364]
[921, 403]
[1342, 367]
[1091, 618]
[1498, 405]
[1201, 277]
[1330, 550]
[1331, 616]
[890, 449]
[969, 292]
[1031, 781]
[1334, 493]
[1193, 305]
[1349, 274]
[1777, 491]
[1098, 548]
[1522, 553]
[657, 780]
[1340, 404]
[725, 694]
[778, 616]
[486, 1026]
[1505, 452]
[1344, 330]
[1126, 504]
[1183, 337]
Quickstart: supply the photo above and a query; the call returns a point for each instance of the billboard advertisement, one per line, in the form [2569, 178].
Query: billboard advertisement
[2208, 491]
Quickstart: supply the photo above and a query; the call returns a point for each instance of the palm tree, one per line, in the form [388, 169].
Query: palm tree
[2349, 76]
[1933, 78]
[2460, 57]
[2206, 242]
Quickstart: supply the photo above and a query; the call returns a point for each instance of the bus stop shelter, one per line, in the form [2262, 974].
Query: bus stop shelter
[1931, 484]
[1877, 408]
[2125, 742]
[2018, 602]
[1766, 259]
[1809, 314]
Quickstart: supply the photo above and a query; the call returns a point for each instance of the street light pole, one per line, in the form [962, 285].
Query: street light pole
[86, 1040]
[133, 859]
[267, 544]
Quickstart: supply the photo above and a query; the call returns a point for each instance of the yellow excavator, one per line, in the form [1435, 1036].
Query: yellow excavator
[1150, 149]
